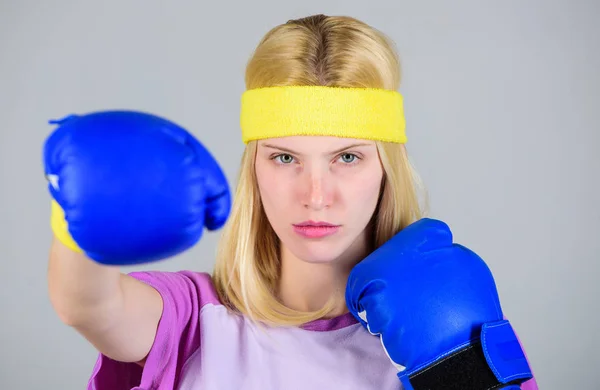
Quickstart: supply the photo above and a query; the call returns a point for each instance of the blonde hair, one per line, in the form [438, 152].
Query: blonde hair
[317, 50]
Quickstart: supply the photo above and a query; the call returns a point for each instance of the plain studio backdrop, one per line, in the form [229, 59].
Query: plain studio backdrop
[501, 100]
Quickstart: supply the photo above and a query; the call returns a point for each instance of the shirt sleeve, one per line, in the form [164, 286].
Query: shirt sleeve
[531, 384]
[177, 335]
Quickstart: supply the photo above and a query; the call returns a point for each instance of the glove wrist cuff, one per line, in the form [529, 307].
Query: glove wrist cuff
[60, 228]
[495, 361]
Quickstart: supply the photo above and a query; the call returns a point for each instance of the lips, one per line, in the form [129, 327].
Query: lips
[315, 229]
[314, 224]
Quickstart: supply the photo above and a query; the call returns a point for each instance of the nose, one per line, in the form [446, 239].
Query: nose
[318, 190]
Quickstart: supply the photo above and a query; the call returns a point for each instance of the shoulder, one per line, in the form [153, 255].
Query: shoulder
[178, 286]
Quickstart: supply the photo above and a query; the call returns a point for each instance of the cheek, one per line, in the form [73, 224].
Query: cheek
[272, 192]
[364, 191]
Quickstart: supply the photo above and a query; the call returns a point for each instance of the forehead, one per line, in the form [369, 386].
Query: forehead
[313, 144]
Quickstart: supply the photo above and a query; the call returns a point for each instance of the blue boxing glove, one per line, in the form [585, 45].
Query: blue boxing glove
[129, 187]
[435, 306]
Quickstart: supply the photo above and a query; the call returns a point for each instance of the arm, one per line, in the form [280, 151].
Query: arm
[115, 312]
[129, 188]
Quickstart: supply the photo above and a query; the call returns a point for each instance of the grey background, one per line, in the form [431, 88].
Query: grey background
[502, 107]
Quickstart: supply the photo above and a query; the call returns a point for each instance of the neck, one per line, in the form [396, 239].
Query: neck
[306, 286]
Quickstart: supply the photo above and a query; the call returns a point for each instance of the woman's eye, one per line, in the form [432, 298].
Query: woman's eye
[348, 157]
[285, 158]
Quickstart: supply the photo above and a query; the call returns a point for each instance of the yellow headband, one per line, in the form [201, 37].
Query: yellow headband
[363, 113]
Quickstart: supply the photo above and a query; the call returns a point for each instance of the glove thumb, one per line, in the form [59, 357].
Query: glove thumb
[217, 209]
[218, 196]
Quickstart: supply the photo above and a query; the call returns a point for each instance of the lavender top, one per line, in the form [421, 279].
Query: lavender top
[199, 345]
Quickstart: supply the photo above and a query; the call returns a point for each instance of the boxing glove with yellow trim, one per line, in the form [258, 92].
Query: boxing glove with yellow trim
[129, 187]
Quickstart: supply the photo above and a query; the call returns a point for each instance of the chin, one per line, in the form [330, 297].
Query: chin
[318, 251]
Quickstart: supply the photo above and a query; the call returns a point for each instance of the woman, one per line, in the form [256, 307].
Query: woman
[309, 206]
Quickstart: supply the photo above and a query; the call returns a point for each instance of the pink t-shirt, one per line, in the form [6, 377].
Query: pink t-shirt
[200, 345]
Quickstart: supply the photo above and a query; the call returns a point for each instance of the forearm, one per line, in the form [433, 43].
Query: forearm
[115, 312]
[81, 290]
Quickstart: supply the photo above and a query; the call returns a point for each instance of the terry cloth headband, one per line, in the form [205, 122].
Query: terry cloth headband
[363, 113]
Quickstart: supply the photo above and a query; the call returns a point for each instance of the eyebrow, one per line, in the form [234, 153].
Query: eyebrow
[334, 152]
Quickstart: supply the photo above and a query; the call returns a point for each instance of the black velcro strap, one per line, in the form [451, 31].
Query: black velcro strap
[466, 369]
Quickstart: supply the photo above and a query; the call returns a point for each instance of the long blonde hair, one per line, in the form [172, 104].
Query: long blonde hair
[317, 50]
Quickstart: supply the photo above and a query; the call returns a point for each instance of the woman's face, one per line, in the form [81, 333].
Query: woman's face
[319, 193]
